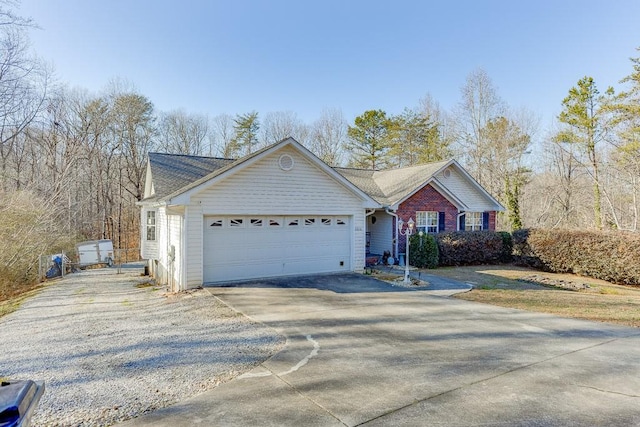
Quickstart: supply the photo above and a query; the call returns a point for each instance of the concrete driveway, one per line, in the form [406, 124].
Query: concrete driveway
[360, 352]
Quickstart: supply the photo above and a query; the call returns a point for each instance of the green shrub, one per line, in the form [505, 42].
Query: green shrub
[507, 246]
[522, 252]
[471, 247]
[423, 251]
[611, 256]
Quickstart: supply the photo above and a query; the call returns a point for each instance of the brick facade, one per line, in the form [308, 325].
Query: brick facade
[428, 199]
[492, 220]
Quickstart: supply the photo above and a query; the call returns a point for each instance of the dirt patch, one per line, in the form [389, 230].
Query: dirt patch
[148, 284]
[398, 279]
[569, 285]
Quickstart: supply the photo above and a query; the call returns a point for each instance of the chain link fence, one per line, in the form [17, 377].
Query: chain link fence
[54, 265]
[59, 265]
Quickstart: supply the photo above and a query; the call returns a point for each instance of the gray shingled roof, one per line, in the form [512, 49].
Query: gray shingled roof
[174, 172]
[388, 187]
[171, 172]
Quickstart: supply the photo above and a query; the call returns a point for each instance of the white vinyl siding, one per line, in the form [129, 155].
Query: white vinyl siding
[149, 248]
[174, 246]
[157, 250]
[381, 233]
[193, 246]
[465, 191]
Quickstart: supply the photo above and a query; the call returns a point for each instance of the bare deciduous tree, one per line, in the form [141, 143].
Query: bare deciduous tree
[280, 125]
[479, 105]
[23, 83]
[328, 135]
[221, 134]
[182, 133]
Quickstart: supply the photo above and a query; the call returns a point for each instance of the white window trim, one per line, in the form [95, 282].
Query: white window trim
[473, 221]
[151, 225]
[428, 220]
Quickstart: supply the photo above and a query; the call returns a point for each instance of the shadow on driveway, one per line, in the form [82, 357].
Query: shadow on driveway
[345, 283]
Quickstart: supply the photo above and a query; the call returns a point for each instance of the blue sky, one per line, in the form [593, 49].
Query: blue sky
[235, 56]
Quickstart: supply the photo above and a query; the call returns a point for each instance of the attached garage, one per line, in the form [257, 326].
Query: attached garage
[280, 211]
[252, 246]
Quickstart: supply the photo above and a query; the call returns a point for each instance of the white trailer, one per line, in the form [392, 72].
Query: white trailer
[95, 252]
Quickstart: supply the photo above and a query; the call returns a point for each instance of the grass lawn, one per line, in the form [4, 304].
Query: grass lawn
[9, 302]
[566, 295]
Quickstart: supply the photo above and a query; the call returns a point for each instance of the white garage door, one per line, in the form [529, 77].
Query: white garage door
[246, 247]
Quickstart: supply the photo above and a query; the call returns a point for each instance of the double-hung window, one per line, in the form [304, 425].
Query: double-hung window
[427, 221]
[151, 225]
[473, 221]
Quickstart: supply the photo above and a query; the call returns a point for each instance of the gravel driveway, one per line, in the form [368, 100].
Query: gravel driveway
[110, 348]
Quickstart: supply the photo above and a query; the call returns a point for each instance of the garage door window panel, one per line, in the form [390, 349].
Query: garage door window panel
[236, 222]
[275, 222]
[216, 223]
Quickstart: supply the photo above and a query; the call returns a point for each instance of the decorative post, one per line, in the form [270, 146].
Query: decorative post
[408, 231]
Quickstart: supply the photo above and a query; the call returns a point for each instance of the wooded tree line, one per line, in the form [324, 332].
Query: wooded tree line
[80, 157]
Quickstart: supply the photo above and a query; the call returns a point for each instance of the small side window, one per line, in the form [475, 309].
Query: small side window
[216, 223]
[151, 225]
[340, 221]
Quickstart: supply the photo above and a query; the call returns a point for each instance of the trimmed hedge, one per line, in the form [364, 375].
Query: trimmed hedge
[611, 256]
[473, 247]
[506, 254]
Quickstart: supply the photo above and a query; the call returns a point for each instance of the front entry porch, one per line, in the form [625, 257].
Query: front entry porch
[380, 237]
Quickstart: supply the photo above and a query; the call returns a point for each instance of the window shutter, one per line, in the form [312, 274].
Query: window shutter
[461, 222]
[441, 222]
[485, 220]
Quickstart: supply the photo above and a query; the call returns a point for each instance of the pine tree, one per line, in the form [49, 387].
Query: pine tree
[245, 139]
[583, 120]
[369, 140]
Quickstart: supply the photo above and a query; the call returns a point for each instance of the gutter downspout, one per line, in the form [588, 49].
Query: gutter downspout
[395, 230]
[366, 229]
[167, 253]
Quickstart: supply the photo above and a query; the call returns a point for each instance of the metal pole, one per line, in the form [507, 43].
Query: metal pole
[407, 234]
[406, 262]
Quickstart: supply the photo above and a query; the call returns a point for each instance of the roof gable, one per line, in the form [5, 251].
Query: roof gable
[201, 172]
[394, 186]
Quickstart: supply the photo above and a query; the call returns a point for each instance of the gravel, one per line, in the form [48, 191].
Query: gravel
[112, 346]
